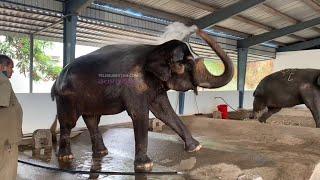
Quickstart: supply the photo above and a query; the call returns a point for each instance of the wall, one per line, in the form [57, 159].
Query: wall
[297, 59]
[39, 111]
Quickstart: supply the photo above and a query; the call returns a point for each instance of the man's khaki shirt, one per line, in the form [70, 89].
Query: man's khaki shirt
[10, 118]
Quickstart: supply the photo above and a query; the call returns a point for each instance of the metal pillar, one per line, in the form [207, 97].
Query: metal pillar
[242, 67]
[70, 12]
[69, 39]
[31, 64]
[181, 102]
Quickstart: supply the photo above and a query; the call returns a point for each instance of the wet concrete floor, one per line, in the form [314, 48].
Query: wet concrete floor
[231, 150]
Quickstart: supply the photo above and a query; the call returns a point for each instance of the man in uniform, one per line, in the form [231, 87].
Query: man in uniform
[10, 122]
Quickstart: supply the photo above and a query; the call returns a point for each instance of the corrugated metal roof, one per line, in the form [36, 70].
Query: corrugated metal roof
[176, 7]
[241, 26]
[101, 26]
[264, 17]
[285, 39]
[220, 3]
[105, 25]
[296, 9]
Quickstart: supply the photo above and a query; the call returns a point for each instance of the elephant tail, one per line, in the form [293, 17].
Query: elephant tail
[53, 91]
[318, 81]
[53, 129]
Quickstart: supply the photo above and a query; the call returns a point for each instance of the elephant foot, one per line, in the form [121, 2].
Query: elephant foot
[262, 121]
[100, 153]
[193, 147]
[143, 164]
[64, 155]
[252, 116]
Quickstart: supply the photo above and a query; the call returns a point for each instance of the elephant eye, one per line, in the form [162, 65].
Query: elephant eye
[188, 64]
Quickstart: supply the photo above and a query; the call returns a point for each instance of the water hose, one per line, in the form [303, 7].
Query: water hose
[99, 172]
[225, 102]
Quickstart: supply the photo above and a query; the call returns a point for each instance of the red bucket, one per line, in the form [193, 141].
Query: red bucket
[223, 108]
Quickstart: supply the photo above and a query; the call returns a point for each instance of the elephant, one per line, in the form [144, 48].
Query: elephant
[134, 78]
[287, 88]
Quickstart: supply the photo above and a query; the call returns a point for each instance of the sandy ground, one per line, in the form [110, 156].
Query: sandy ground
[232, 149]
[288, 139]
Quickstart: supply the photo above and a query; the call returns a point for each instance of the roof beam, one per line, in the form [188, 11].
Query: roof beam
[300, 46]
[166, 15]
[211, 8]
[226, 13]
[285, 16]
[124, 4]
[251, 41]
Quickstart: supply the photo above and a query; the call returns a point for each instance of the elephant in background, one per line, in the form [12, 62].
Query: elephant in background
[135, 79]
[287, 88]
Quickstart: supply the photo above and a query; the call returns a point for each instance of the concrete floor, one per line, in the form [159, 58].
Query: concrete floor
[231, 150]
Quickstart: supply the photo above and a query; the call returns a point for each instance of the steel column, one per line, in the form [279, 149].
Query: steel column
[242, 67]
[69, 39]
[31, 41]
[71, 9]
[181, 102]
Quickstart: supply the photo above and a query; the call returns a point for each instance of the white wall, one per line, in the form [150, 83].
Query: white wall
[206, 101]
[297, 59]
[39, 111]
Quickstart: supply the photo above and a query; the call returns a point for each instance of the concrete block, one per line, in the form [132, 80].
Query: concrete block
[216, 114]
[156, 125]
[41, 141]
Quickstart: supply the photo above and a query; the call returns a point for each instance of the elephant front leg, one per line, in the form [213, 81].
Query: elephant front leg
[162, 109]
[98, 147]
[311, 98]
[271, 110]
[258, 105]
[139, 114]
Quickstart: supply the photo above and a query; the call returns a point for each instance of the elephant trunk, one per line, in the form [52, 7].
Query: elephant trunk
[202, 76]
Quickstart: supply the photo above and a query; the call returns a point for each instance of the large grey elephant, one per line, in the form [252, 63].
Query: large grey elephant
[287, 88]
[134, 78]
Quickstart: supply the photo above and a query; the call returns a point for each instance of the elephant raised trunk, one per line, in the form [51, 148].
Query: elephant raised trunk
[202, 76]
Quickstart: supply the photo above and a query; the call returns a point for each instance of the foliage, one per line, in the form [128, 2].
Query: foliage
[45, 68]
[256, 71]
[216, 68]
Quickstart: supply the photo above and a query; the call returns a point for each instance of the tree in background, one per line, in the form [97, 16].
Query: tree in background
[216, 67]
[256, 71]
[18, 48]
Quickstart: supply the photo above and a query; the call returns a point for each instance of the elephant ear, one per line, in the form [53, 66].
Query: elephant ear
[160, 60]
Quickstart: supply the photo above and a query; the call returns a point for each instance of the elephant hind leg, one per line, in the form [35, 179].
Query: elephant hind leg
[98, 147]
[271, 110]
[311, 99]
[67, 116]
